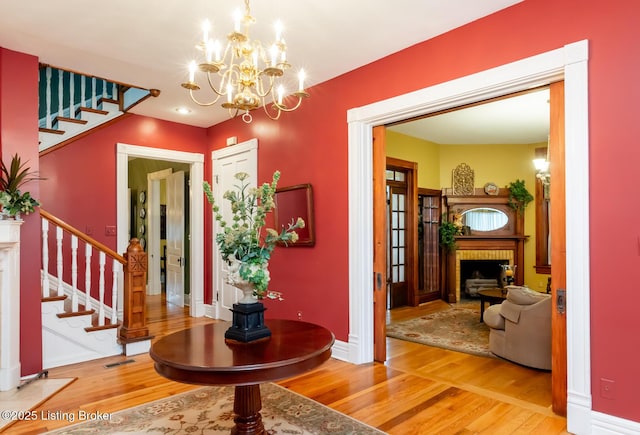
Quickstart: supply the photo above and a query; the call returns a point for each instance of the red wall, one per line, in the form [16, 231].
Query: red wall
[80, 186]
[310, 146]
[18, 117]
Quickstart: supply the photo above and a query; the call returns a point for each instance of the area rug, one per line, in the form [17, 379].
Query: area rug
[209, 410]
[456, 328]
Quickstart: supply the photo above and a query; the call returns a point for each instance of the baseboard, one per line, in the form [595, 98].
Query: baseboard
[340, 350]
[605, 424]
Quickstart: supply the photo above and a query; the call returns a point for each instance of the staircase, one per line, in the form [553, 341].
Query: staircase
[81, 321]
[71, 104]
[70, 337]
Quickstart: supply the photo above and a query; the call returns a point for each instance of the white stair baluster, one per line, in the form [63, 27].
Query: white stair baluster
[87, 277]
[104, 89]
[94, 103]
[45, 258]
[114, 292]
[102, 262]
[59, 260]
[114, 93]
[60, 93]
[72, 95]
[83, 91]
[47, 91]
[74, 273]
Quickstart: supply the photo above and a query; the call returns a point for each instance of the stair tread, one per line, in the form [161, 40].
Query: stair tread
[50, 130]
[73, 120]
[89, 109]
[76, 313]
[108, 100]
[107, 325]
[81, 311]
[54, 298]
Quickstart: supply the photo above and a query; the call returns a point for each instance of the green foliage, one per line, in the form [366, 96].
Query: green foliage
[13, 201]
[448, 232]
[241, 241]
[519, 196]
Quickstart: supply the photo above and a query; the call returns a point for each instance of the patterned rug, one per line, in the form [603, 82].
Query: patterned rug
[209, 410]
[456, 328]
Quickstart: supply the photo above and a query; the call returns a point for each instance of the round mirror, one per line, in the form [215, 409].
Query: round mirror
[484, 219]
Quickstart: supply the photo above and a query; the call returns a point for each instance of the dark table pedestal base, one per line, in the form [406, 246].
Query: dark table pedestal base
[248, 323]
[247, 406]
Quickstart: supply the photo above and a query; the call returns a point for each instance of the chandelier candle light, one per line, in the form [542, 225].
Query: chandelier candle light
[249, 74]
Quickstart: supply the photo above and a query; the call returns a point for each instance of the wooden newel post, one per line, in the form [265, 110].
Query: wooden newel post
[134, 322]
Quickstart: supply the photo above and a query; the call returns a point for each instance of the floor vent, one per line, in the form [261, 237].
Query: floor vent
[116, 364]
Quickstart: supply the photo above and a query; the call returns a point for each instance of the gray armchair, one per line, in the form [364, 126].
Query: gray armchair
[520, 328]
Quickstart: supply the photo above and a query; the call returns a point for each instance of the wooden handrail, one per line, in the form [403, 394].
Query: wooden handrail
[65, 226]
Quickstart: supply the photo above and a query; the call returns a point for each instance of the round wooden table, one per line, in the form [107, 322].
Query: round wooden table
[200, 355]
[493, 296]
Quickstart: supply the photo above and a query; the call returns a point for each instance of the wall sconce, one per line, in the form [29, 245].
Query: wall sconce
[542, 167]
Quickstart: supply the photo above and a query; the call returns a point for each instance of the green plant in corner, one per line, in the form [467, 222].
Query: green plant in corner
[12, 200]
[448, 232]
[519, 196]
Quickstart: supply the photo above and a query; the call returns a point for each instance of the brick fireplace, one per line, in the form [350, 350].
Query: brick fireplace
[498, 255]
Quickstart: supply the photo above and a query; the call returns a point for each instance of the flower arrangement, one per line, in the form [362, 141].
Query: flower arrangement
[242, 244]
[12, 200]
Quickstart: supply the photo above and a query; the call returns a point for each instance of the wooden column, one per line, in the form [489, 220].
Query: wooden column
[134, 322]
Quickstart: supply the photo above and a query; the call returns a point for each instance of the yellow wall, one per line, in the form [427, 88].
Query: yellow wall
[499, 164]
[426, 154]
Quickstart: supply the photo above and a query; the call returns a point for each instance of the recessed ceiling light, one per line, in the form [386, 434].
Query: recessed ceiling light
[183, 110]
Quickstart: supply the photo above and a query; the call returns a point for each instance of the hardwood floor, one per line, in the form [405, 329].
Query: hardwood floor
[419, 390]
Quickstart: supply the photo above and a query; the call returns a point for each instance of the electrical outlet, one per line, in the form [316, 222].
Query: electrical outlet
[607, 388]
[110, 230]
[88, 230]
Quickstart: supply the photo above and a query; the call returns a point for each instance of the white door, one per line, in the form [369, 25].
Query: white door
[154, 252]
[226, 163]
[175, 238]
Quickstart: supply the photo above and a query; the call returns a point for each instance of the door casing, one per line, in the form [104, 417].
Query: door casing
[569, 63]
[196, 212]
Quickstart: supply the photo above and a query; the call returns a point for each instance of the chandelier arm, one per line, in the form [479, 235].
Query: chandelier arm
[199, 103]
[262, 93]
[220, 92]
[268, 113]
[284, 108]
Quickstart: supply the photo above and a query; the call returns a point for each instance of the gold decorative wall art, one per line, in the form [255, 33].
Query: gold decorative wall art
[463, 180]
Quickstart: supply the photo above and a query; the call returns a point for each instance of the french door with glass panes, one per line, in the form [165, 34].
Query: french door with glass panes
[397, 288]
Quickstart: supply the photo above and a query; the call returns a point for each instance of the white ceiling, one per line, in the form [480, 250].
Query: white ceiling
[148, 43]
[523, 119]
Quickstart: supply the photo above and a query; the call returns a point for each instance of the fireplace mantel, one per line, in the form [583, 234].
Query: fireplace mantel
[508, 240]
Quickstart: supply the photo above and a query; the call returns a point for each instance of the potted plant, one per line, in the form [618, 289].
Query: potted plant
[13, 201]
[243, 246]
[448, 232]
[519, 196]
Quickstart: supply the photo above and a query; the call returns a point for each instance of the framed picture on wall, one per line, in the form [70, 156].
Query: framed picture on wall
[291, 203]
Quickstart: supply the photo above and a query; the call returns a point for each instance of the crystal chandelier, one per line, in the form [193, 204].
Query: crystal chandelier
[245, 73]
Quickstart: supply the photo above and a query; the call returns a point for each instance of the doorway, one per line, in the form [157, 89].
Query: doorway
[195, 218]
[569, 63]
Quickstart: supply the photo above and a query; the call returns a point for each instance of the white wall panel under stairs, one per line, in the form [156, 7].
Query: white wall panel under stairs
[65, 341]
